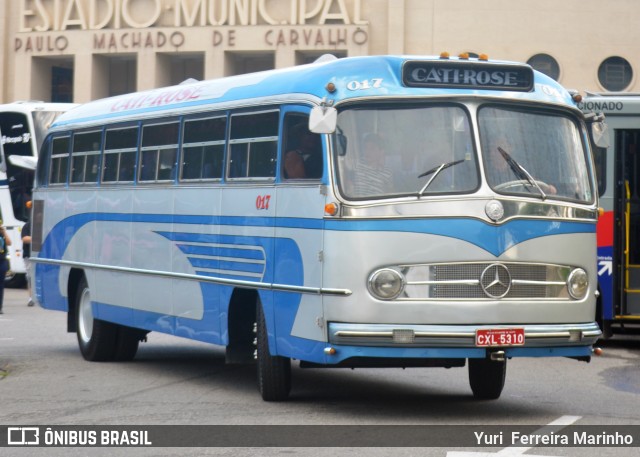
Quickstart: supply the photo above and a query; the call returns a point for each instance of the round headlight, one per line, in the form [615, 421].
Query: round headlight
[386, 284]
[578, 283]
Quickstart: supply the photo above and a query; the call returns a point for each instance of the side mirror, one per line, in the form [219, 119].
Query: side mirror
[323, 119]
[600, 134]
[28, 162]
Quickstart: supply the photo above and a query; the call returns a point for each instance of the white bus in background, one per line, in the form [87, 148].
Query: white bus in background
[23, 126]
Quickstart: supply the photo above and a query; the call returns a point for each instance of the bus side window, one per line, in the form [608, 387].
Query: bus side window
[159, 151]
[203, 148]
[110, 167]
[85, 157]
[127, 166]
[59, 160]
[253, 145]
[120, 147]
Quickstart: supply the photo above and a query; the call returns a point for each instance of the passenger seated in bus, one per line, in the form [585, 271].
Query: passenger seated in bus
[294, 165]
[307, 145]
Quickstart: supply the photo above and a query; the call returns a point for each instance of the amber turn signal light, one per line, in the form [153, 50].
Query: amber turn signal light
[331, 209]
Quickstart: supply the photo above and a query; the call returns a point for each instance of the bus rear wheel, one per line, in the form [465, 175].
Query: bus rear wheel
[96, 338]
[487, 377]
[101, 341]
[274, 372]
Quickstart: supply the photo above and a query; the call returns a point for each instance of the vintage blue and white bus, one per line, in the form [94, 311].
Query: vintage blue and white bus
[618, 232]
[379, 211]
[23, 126]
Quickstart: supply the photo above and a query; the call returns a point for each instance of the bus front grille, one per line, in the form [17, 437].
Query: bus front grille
[485, 281]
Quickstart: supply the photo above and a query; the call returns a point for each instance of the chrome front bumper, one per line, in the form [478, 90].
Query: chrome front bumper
[457, 336]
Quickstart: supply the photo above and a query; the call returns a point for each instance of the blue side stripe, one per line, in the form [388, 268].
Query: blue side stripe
[493, 239]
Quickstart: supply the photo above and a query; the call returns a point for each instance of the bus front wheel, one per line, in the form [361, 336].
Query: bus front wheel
[274, 372]
[486, 378]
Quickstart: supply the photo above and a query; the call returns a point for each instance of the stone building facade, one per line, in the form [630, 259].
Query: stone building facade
[79, 50]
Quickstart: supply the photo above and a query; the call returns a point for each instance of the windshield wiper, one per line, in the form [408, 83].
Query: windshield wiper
[436, 171]
[520, 171]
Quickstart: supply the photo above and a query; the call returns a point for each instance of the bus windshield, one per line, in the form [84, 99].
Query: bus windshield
[408, 150]
[423, 150]
[533, 153]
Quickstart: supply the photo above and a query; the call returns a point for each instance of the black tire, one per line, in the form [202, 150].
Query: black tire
[487, 377]
[96, 338]
[15, 281]
[274, 372]
[127, 342]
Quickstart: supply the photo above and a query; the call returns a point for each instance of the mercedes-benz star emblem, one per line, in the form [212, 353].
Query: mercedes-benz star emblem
[495, 281]
[494, 210]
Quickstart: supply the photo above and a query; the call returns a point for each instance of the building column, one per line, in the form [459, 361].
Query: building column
[214, 63]
[396, 15]
[285, 57]
[84, 80]
[146, 71]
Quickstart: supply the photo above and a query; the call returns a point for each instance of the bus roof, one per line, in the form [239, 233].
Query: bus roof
[352, 78]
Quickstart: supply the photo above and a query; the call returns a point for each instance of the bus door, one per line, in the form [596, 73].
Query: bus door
[627, 221]
[299, 236]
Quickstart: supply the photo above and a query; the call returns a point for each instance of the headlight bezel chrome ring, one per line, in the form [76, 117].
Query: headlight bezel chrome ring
[572, 281]
[375, 290]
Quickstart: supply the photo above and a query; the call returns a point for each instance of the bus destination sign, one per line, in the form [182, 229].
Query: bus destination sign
[470, 75]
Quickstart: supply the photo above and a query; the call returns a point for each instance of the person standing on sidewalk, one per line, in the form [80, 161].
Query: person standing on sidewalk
[5, 242]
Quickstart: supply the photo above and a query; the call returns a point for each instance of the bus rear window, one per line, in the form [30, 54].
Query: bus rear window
[59, 160]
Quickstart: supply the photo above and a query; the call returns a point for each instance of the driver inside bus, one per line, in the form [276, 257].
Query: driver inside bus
[371, 176]
[304, 160]
[502, 168]
[294, 165]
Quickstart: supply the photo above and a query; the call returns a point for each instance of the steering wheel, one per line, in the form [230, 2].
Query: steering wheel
[519, 183]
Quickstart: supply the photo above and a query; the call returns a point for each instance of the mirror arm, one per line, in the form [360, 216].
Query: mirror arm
[324, 104]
